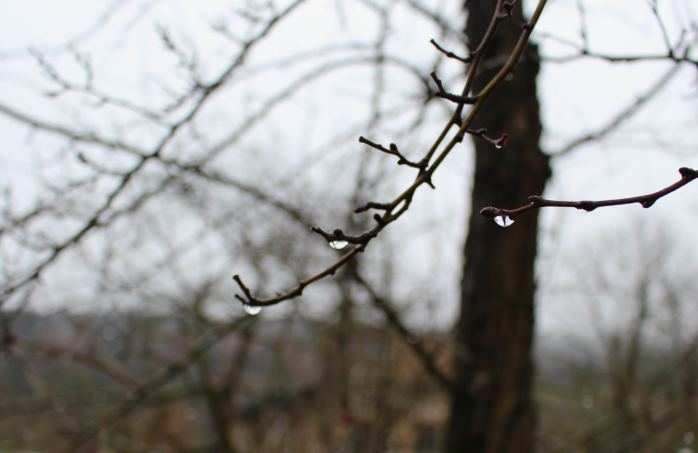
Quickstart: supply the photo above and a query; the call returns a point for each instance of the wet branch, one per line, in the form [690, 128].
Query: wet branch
[389, 212]
[646, 201]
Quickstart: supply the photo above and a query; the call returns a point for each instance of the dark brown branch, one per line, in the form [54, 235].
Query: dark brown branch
[449, 54]
[372, 205]
[394, 151]
[338, 236]
[456, 98]
[646, 201]
[498, 142]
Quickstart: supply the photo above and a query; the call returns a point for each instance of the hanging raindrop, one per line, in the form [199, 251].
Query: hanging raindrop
[338, 244]
[503, 221]
[252, 310]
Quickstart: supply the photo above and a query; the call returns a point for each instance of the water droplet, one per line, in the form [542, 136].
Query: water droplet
[338, 244]
[252, 310]
[503, 221]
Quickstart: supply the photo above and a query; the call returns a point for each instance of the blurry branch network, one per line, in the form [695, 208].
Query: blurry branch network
[199, 95]
[677, 51]
[460, 121]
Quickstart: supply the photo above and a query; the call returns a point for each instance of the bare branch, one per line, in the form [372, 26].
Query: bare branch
[393, 150]
[400, 204]
[449, 54]
[646, 201]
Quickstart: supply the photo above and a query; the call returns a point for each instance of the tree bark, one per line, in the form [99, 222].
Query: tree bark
[492, 408]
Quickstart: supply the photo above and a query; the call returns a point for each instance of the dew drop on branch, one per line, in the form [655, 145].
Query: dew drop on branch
[503, 221]
[252, 310]
[338, 244]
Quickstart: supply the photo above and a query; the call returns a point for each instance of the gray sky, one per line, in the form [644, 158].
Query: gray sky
[642, 156]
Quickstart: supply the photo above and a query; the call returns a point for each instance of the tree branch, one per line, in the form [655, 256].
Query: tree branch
[536, 201]
[394, 209]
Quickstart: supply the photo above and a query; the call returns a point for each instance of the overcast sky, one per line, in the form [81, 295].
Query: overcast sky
[642, 156]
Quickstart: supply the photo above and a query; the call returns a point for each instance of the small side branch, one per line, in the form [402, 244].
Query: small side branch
[646, 201]
[394, 151]
[449, 54]
[455, 98]
[498, 142]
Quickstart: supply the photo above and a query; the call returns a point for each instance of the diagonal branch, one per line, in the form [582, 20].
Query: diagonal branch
[417, 347]
[400, 204]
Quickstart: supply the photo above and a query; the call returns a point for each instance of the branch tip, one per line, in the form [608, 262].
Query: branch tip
[688, 173]
[490, 212]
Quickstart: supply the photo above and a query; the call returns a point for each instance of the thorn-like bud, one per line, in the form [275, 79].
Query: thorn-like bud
[688, 173]
[587, 205]
[490, 212]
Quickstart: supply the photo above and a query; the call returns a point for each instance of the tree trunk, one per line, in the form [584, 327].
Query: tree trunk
[492, 408]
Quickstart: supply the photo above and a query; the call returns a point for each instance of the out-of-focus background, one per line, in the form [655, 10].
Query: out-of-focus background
[150, 149]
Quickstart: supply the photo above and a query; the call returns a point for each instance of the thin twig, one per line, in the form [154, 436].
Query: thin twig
[646, 201]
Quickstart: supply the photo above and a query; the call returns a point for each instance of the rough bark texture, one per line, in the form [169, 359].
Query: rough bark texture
[492, 409]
